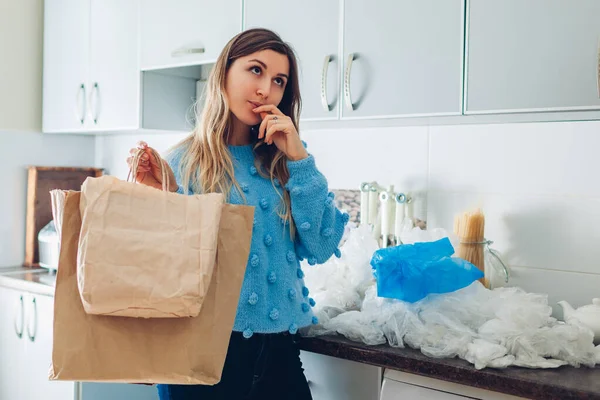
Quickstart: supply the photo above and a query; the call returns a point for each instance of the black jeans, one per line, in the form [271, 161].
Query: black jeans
[265, 367]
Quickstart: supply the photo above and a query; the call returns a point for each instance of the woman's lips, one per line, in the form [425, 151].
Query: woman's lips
[255, 105]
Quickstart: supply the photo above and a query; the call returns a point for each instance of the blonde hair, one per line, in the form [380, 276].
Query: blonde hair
[206, 165]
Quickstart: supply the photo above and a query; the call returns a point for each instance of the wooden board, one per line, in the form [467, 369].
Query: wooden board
[39, 206]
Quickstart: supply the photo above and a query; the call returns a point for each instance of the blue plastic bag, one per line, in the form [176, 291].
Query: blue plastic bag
[410, 272]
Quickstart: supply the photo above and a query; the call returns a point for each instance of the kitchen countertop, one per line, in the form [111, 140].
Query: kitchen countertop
[548, 384]
[35, 280]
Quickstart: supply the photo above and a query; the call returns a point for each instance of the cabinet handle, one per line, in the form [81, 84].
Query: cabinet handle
[324, 102]
[31, 333]
[94, 95]
[347, 93]
[81, 113]
[22, 310]
[184, 51]
[598, 69]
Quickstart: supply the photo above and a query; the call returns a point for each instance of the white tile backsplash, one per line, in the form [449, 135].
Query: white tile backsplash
[558, 158]
[577, 288]
[536, 183]
[391, 156]
[19, 150]
[547, 232]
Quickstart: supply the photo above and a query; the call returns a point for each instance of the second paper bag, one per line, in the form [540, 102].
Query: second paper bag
[145, 252]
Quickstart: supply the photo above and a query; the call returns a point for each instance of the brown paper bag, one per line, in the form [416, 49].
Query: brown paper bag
[101, 348]
[145, 252]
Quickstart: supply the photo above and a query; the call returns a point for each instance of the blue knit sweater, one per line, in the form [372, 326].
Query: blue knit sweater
[273, 296]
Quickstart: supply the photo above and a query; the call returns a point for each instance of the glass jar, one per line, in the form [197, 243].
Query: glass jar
[496, 270]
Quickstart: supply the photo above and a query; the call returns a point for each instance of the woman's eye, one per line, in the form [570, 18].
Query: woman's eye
[256, 70]
[279, 82]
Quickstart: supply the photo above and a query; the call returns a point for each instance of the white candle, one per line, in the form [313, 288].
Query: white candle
[373, 194]
[384, 198]
[364, 203]
[399, 217]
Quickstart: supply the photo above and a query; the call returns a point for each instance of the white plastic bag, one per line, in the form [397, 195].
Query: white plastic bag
[488, 328]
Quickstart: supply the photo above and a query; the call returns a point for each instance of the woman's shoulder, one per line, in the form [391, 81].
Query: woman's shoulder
[174, 155]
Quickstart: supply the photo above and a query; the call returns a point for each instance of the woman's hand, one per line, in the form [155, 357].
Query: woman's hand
[278, 128]
[149, 172]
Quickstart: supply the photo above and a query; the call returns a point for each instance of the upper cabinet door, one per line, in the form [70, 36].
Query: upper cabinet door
[312, 28]
[534, 55]
[66, 61]
[402, 58]
[114, 71]
[186, 32]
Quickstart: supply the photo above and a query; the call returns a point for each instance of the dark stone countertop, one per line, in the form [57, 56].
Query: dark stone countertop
[548, 384]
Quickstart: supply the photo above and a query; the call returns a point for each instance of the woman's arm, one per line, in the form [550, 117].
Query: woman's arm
[319, 224]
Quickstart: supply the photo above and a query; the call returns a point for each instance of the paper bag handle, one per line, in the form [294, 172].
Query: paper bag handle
[136, 162]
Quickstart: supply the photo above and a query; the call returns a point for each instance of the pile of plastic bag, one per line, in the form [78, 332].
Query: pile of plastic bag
[489, 328]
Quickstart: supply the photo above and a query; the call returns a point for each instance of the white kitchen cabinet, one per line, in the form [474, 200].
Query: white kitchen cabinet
[91, 74]
[402, 58]
[114, 67]
[186, 32]
[313, 32]
[39, 312]
[393, 390]
[26, 355]
[399, 385]
[535, 55]
[12, 345]
[26, 347]
[66, 62]
[21, 67]
[331, 378]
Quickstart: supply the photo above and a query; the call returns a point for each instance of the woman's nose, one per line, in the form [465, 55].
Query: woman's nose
[263, 90]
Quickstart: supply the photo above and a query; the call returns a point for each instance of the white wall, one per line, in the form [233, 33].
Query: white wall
[21, 41]
[19, 150]
[536, 183]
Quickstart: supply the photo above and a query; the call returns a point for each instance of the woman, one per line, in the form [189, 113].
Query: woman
[246, 145]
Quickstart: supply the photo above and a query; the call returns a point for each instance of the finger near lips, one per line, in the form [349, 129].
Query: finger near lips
[268, 109]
